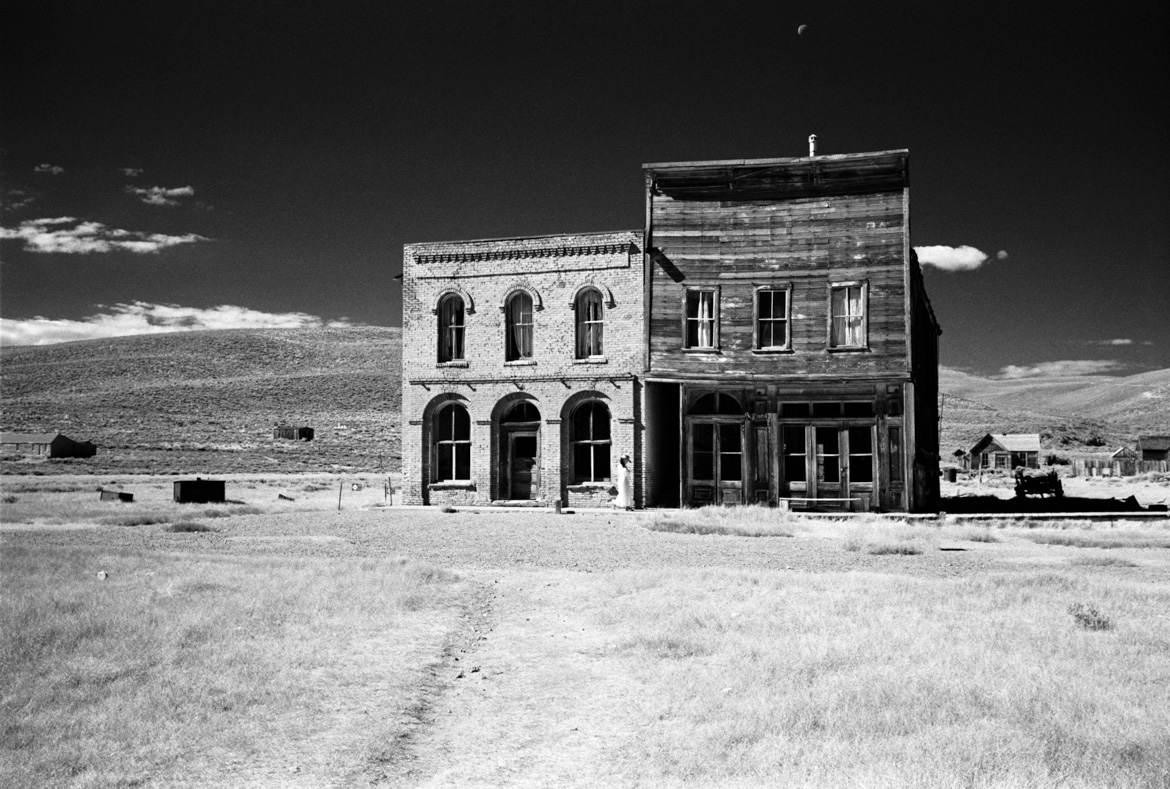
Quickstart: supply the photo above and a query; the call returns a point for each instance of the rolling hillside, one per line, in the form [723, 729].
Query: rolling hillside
[206, 402]
[1075, 413]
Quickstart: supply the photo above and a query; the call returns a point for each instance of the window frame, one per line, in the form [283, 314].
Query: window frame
[453, 443]
[442, 330]
[575, 477]
[716, 303]
[582, 324]
[509, 328]
[786, 289]
[863, 286]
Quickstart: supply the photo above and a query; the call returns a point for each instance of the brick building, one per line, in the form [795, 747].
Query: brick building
[765, 338]
[522, 366]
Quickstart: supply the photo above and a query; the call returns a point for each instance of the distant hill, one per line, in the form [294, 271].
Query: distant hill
[1077, 413]
[207, 401]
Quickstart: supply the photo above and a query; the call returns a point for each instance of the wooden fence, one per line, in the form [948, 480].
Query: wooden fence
[1124, 467]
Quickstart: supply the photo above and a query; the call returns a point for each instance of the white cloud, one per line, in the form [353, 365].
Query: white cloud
[51, 169]
[962, 258]
[1001, 255]
[1070, 367]
[70, 235]
[132, 172]
[17, 198]
[140, 317]
[160, 195]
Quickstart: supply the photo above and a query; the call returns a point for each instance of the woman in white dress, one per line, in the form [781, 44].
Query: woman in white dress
[625, 485]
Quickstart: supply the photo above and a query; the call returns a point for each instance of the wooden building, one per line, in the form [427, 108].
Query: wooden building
[792, 351]
[46, 445]
[293, 433]
[765, 338]
[1154, 447]
[1006, 451]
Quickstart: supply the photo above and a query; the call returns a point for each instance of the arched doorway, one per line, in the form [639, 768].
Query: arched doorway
[520, 452]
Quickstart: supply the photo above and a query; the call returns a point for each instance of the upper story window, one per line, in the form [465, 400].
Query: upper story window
[450, 328]
[847, 328]
[702, 318]
[518, 327]
[772, 305]
[590, 323]
[452, 444]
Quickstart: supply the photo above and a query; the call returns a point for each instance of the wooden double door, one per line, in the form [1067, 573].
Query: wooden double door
[831, 461]
[730, 460]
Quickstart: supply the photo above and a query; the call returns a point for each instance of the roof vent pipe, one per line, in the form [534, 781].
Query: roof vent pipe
[812, 146]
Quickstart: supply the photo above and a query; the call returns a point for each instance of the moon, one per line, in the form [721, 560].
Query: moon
[801, 29]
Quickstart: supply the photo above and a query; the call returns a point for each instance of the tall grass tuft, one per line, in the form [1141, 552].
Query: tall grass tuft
[1088, 617]
[189, 527]
[728, 521]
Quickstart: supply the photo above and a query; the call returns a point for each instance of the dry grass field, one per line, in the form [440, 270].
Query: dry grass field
[289, 644]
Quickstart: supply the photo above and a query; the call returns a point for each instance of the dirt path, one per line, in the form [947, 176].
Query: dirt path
[541, 698]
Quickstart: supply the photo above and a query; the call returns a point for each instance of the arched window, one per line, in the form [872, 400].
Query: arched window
[716, 404]
[450, 328]
[590, 442]
[518, 329]
[452, 444]
[590, 323]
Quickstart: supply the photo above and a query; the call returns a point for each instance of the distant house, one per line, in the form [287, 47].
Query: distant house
[293, 433]
[1154, 447]
[1006, 451]
[47, 445]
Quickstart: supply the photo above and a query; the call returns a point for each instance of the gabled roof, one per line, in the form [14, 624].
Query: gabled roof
[27, 438]
[1156, 443]
[1009, 442]
[1123, 452]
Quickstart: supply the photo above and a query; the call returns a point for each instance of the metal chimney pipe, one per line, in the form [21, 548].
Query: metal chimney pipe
[812, 146]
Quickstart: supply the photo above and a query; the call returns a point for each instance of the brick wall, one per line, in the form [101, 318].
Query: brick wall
[552, 269]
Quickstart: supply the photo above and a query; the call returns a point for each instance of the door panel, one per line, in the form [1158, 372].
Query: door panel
[523, 466]
[715, 462]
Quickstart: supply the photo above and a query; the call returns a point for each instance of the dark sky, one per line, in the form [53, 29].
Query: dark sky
[317, 138]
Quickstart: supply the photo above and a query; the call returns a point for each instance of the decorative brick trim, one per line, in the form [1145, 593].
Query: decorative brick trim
[472, 253]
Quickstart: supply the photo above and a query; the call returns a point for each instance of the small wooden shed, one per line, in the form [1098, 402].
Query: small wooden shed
[293, 433]
[199, 491]
[1154, 447]
[1006, 451]
[49, 445]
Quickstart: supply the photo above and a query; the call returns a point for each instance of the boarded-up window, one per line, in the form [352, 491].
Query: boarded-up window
[452, 430]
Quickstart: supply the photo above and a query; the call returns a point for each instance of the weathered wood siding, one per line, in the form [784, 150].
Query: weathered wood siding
[806, 243]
